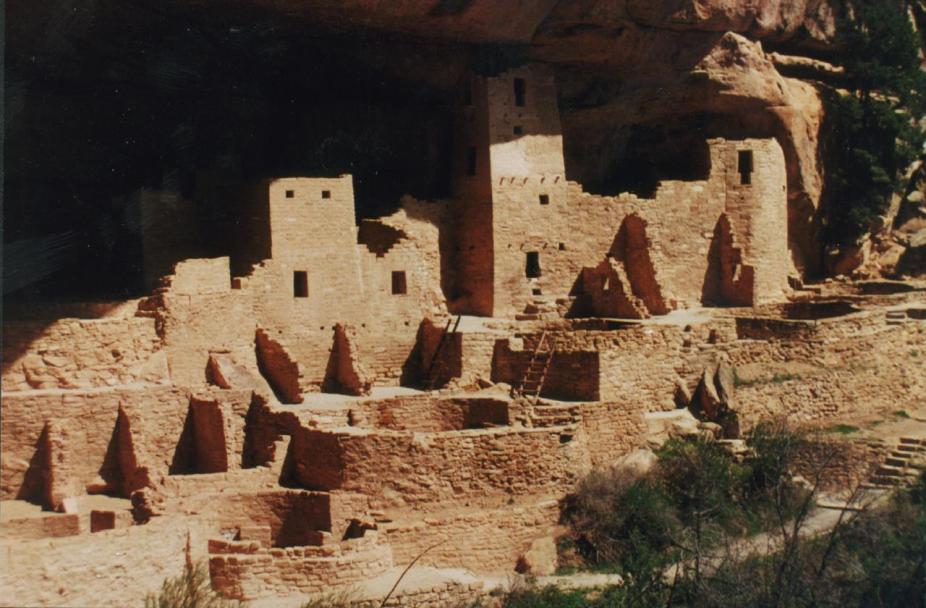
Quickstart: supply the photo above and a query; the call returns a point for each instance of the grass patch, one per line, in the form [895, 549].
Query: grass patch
[843, 429]
[774, 379]
[901, 414]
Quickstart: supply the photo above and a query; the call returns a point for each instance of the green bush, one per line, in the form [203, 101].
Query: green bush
[618, 520]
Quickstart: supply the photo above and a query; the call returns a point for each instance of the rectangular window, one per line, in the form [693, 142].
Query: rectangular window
[520, 90]
[399, 284]
[471, 161]
[300, 284]
[326, 193]
[544, 199]
[532, 271]
[518, 130]
[290, 194]
[745, 167]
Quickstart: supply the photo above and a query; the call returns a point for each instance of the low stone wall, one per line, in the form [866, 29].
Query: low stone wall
[49, 525]
[612, 430]
[480, 540]
[840, 466]
[246, 570]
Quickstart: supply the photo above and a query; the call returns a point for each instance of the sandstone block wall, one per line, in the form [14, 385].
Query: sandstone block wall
[81, 353]
[404, 469]
[244, 570]
[482, 540]
[86, 434]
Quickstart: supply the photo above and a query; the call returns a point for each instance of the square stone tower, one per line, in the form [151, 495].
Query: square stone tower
[509, 176]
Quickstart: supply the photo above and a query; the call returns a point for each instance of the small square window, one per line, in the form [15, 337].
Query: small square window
[399, 284]
[300, 284]
[518, 130]
[544, 199]
[562, 246]
[326, 193]
[290, 193]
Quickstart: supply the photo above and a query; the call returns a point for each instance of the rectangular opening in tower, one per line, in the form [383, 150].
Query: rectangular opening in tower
[326, 193]
[520, 90]
[471, 161]
[300, 284]
[532, 270]
[399, 284]
[544, 199]
[744, 166]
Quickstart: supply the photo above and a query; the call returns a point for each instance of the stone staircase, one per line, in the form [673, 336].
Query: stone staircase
[903, 465]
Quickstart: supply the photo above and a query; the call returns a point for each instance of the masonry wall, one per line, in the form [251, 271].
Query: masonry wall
[473, 256]
[81, 353]
[241, 570]
[424, 413]
[85, 423]
[758, 212]
[612, 430]
[404, 469]
[486, 539]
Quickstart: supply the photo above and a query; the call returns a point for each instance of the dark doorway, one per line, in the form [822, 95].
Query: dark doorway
[300, 284]
[744, 165]
[532, 271]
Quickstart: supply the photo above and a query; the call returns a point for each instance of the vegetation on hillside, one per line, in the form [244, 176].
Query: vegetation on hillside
[676, 536]
[872, 133]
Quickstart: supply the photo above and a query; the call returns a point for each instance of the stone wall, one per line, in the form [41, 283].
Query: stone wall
[403, 469]
[81, 353]
[612, 430]
[424, 413]
[246, 570]
[48, 525]
[91, 430]
[482, 540]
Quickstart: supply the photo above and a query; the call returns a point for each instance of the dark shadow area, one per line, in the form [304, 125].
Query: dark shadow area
[119, 464]
[184, 459]
[117, 99]
[638, 157]
[35, 483]
[811, 311]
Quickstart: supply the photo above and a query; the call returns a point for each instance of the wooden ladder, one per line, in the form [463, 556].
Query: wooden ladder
[536, 373]
[451, 328]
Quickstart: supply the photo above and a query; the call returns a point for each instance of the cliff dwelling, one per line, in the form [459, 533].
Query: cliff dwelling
[406, 338]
